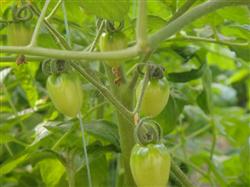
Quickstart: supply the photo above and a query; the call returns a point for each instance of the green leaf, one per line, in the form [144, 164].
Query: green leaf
[202, 101]
[242, 52]
[115, 10]
[155, 23]
[8, 166]
[5, 138]
[105, 130]
[26, 75]
[231, 167]
[99, 172]
[239, 76]
[235, 123]
[159, 8]
[236, 14]
[168, 118]
[193, 74]
[188, 75]
[51, 171]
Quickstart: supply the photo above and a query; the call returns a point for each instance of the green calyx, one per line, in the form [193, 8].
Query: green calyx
[55, 66]
[147, 132]
[156, 72]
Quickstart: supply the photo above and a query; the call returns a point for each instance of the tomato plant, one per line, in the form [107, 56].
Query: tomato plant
[66, 93]
[180, 67]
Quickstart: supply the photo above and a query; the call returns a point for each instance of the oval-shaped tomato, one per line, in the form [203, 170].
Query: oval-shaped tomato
[155, 96]
[19, 34]
[150, 165]
[66, 93]
[111, 42]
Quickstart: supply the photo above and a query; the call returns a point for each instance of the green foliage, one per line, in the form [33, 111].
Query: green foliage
[113, 10]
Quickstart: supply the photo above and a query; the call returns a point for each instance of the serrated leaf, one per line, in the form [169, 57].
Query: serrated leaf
[25, 74]
[112, 10]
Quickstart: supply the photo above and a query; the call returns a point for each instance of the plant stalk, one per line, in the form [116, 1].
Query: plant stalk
[125, 126]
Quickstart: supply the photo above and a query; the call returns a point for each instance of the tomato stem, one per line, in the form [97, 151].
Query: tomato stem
[125, 125]
[144, 86]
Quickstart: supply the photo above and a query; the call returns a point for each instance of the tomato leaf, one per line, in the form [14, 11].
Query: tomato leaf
[105, 130]
[168, 118]
[51, 171]
[112, 10]
[193, 73]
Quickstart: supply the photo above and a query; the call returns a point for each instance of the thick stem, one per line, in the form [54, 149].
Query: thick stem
[126, 131]
[125, 126]
[183, 9]
[71, 179]
[72, 55]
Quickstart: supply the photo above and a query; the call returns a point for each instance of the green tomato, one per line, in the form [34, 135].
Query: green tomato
[19, 34]
[150, 165]
[155, 96]
[66, 93]
[111, 42]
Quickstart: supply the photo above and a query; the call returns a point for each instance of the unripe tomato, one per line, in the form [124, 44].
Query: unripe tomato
[66, 93]
[19, 34]
[150, 165]
[111, 42]
[155, 96]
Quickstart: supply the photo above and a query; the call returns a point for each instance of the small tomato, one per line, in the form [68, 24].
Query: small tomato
[66, 93]
[150, 165]
[111, 42]
[155, 96]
